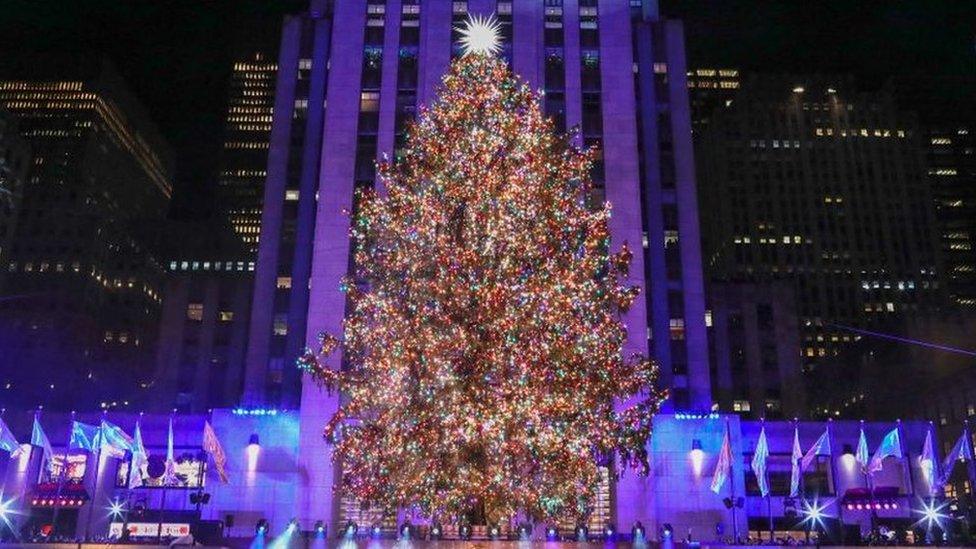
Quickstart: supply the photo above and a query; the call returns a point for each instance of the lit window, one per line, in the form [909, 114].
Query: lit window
[226, 316]
[194, 311]
[284, 282]
[741, 406]
[677, 326]
[291, 195]
[280, 325]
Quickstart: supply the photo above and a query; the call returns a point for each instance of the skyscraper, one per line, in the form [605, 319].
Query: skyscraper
[806, 179]
[244, 158]
[345, 91]
[82, 287]
[15, 161]
[951, 164]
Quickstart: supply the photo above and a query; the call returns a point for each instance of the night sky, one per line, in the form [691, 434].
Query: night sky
[176, 54]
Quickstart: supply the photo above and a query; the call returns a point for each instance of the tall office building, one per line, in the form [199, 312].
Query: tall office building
[345, 92]
[82, 288]
[15, 161]
[244, 158]
[807, 180]
[709, 89]
[951, 165]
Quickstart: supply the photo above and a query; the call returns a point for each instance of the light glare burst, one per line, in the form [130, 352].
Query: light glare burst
[480, 35]
[932, 514]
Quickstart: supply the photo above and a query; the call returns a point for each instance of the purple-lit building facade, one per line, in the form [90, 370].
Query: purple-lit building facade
[612, 68]
[344, 92]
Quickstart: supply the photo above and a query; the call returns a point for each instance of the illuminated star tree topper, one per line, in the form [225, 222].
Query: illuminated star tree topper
[480, 35]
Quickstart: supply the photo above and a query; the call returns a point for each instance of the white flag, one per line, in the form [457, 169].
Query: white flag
[796, 475]
[724, 466]
[926, 464]
[862, 456]
[140, 459]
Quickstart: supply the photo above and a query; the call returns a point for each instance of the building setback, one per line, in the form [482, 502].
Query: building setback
[83, 288]
[807, 180]
[244, 158]
[755, 342]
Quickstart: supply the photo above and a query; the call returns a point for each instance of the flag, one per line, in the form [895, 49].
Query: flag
[212, 446]
[38, 438]
[819, 448]
[169, 475]
[963, 450]
[862, 450]
[8, 441]
[926, 464]
[796, 475]
[113, 441]
[724, 466]
[83, 436]
[139, 461]
[759, 463]
[890, 447]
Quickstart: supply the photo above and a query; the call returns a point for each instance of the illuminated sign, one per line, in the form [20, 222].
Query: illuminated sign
[149, 529]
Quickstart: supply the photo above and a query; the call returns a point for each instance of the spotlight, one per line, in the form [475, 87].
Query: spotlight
[494, 532]
[262, 527]
[115, 509]
[406, 530]
[376, 531]
[320, 528]
[697, 456]
[350, 530]
[932, 514]
[464, 532]
[667, 530]
[609, 531]
[436, 531]
[552, 533]
[253, 449]
[293, 524]
[582, 532]
[524, 531]
[637, 532]
[813, 513]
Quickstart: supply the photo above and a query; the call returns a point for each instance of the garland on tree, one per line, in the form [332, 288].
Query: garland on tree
[483, 345]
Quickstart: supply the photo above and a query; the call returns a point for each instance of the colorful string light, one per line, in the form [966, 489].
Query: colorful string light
[483, 345]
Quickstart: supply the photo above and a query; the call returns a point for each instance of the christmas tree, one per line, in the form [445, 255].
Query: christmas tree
[483, 345]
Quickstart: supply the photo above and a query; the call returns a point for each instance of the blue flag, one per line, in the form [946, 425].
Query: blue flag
[39, 439]
[819, 448]
[139, 461]
[962, 451]
[113, 441]
[83, 436]
[8, 441]
[890, 447]
[862, 456]
[759, 463]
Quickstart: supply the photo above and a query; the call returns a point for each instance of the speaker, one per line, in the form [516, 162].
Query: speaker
[208, 532]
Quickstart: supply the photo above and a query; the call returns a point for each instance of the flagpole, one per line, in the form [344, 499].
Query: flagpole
[833, 476]
[61, 478]
[970, 463]
[869, 481]
[166, 479]
[735, 524]
[98, 471]
[769, 492]
[905, 456]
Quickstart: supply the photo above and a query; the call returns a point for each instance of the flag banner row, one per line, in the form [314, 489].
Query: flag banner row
[111, 440]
